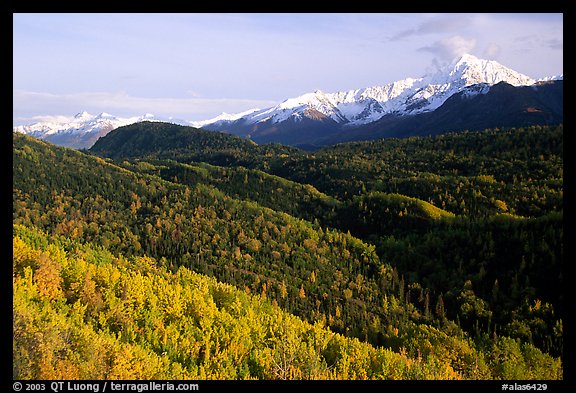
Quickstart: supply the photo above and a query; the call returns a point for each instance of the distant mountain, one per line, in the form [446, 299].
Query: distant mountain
[409, 96]
[315, 118]
[458, 96]
[84, 129]
[474, 108]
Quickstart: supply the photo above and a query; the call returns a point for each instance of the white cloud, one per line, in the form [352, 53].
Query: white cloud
[52, 119]
[450, 48]
[437, 25]
[31, 106]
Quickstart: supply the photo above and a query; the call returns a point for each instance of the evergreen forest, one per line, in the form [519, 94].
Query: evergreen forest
[169, 252]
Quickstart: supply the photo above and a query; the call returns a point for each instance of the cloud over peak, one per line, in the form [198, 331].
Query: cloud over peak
[449, 48]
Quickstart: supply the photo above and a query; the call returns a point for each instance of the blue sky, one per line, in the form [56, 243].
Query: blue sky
[196, 66]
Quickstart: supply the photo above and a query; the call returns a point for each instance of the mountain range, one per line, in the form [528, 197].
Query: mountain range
[468, 94]
[84, 129]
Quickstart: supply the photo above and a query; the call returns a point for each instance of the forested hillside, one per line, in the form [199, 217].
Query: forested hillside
[442, 256]
[82, 313]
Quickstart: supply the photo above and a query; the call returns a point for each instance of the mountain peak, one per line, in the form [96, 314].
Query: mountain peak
[467, 58]
[472, 70]
[83, 115]
[406, 97]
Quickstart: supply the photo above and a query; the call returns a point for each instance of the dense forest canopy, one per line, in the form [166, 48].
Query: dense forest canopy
[429, 257]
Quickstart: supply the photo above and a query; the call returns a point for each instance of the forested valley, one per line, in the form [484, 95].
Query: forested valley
[168, 252]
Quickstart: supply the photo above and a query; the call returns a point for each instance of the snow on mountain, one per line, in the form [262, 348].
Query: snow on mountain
[84, 129]
[411, 96]
[552, 78]
[222, 117]
[81, 123]
[405, 97]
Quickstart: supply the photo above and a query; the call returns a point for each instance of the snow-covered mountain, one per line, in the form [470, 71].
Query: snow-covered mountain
[316, 116]
[84, 129]
[409, 96]
[552, 78]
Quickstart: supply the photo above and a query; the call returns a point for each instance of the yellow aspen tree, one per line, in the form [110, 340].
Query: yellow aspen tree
[47, 278]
